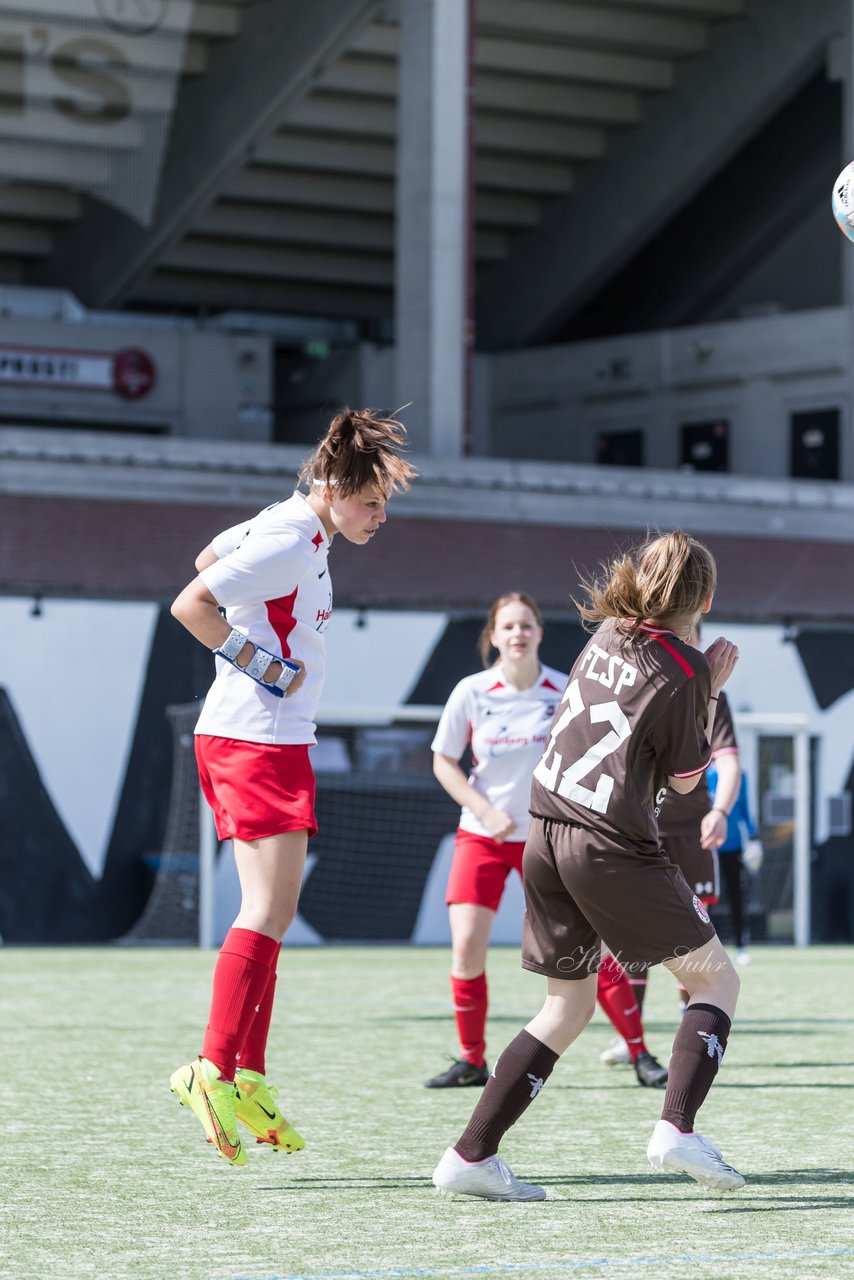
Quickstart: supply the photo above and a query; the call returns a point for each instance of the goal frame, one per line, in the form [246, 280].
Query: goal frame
[767, 723]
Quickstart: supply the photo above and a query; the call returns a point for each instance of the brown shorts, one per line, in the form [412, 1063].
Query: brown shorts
[699, 866]
[581, 888]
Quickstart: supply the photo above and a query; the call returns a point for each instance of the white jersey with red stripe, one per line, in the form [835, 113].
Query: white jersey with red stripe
[272, 580]
[506, 729]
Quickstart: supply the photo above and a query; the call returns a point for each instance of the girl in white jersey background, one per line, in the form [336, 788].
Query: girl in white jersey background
[503, 714]
[262, 601]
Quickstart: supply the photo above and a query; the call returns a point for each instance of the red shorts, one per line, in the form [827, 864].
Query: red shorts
[256, 789]
[481, 867]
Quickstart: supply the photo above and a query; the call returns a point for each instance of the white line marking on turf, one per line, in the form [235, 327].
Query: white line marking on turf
[574, 1264]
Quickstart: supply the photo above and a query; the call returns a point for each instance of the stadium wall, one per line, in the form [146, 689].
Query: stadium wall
[87, 758]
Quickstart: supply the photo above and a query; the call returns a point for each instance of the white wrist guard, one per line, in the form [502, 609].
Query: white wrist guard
[232, 645]
[257, 665]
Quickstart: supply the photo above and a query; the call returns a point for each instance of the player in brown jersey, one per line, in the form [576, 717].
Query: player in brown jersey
[691, 830]
[636, 717]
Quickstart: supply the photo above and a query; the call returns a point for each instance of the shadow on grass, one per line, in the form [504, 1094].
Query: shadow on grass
[777, 1178]
[353, 1184]
[786, 1084]
[743, 1027]
[832, 1065]
[781, 1178]
[514, 1019]
[763, 1026]
[785, 1204]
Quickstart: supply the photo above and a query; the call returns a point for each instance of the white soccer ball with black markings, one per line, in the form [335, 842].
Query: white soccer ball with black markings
[843, 201]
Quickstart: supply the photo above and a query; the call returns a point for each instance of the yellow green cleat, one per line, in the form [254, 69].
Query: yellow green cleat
[198, 1086]
[255, 1106]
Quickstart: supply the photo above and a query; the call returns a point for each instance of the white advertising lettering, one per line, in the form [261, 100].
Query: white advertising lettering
[567, 782]
[616, 673]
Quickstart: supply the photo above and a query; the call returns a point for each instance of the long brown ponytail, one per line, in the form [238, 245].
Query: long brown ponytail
[361, 447]
[669, 576]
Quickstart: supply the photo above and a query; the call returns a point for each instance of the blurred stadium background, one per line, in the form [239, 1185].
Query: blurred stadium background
[588, 244]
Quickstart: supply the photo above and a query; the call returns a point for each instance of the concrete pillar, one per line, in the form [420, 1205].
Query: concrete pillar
[431, 252]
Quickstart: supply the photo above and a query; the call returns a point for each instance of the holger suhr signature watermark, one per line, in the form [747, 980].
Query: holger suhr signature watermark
[587, 960]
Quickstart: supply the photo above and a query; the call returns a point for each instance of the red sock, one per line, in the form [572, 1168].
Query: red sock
[252, 1055]
[470, 1002]
[618, 1001]
[240, 979]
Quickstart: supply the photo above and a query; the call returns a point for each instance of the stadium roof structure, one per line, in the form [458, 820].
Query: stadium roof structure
[592, 126]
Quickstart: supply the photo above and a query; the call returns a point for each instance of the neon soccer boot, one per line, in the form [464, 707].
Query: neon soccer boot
[689, 1153]
[255, 1106]
[199, 1087]
[491, 1179]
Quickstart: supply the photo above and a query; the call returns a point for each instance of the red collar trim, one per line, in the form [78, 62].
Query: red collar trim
[674, 653]
[656, 631]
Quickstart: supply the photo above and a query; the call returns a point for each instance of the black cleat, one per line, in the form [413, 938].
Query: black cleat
[649, 1071]
[460, 1074]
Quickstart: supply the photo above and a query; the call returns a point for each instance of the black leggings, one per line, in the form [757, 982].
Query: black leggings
[732, 876]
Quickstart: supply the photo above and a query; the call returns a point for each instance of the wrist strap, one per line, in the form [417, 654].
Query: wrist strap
[713, 697]
[258, 664]
[716, 808]
[232, 645]
[289, 670]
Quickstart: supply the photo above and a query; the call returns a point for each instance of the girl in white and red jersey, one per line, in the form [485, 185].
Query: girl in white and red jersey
[503, 714]
[261, 602]
[636, 717]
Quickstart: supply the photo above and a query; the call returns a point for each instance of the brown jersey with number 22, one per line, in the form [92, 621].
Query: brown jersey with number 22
[634, 713]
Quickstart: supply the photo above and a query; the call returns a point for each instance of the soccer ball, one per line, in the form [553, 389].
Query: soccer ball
[843, 201]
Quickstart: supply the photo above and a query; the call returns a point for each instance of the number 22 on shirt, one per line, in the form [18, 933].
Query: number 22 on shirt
[566, 782]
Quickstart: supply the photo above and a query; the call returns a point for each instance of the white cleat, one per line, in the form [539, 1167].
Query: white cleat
[676, 1152]
[491, 1179]
[617, 1054]
[742, 956]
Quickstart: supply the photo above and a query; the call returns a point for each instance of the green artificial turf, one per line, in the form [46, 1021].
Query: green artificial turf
[106, 1176]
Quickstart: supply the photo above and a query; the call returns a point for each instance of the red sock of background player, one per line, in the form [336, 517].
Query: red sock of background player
[470, 1004]
[252, 1056]
[618, 1001]
[240, 980]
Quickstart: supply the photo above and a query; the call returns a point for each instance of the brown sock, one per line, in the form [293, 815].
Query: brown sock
[697, 1053]
[517, 1077]
[639, 989]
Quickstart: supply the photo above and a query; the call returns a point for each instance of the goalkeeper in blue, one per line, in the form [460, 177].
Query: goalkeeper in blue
[262, 602]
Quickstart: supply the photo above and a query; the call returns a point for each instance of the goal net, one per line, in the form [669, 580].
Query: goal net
[775, 752]
[386, 827]
[171, 914]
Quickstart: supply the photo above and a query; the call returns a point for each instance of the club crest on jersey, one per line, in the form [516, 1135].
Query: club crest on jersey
[700, 910]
